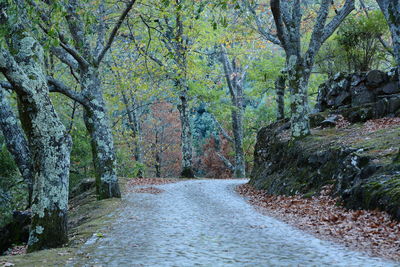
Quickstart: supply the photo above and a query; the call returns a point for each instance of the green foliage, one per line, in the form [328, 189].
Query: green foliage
[356, 45]
[81, 155]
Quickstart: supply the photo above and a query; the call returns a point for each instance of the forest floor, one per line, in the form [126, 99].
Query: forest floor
[87, 218]
[373, 232]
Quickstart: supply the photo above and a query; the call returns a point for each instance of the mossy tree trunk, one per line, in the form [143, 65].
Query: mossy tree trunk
[84, 52]
[97, 124]
[186, 135]
[280, 84]
[16, 142]
[297, 81]
[48, 139]
[288, 21]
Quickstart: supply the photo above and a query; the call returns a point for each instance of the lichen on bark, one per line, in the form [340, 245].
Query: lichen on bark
[48, 140]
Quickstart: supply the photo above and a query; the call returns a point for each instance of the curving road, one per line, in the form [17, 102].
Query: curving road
[205, 223]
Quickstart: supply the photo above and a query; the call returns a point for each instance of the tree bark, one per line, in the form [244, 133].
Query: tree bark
[298, 81]
[237, 123]
[235, 77]
[48, 139]
[186, 137]
[280, 84]
[97, 124]
[16, 143]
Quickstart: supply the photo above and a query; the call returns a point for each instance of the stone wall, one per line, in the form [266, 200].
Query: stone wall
[361, 96]
[362, 178]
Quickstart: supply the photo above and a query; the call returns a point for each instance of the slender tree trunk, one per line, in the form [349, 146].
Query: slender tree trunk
[97, 124]
[157, 158]
[135, 127]
[280, 97]
[237, 125]
[234, 76]
[16, 143]
[186, 137]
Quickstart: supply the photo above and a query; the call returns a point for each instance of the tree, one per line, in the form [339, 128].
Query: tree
[161, 134]
[235, 75]
[21, 62]
[265, 31]
[358, 38]
[80, 55]
[391, 10]
[288, 18]
[16, 142]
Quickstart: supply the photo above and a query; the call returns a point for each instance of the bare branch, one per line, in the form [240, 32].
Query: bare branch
[331, 27]
[115, 31]
[59, 87]
[222, 130]
[266, 34]
[226, 161]
[228, 70]
[383, 42]
[280, 27]
[65, 57]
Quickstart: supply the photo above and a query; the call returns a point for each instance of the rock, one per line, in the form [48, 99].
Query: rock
[393, 75]
[387, 105]
[375, 78]
[331, 121]
[356, 79]
[394, 104]
[361, 95]
[344, 98]
[390, 88]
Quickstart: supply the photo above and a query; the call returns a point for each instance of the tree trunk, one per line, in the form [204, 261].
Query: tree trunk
[234, 76]
[186, 137]
[49, 142]
[391, 10]
[157, 165]
[237, 125]
[135, 127]
[97, 124]
[16, 143]
[50, 145]
[298, 81]
[280, 97]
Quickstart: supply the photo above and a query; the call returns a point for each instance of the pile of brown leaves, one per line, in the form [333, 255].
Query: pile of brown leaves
[379, 124]
[342, 122]
[371, 231]
[133, 183]
[17, 250]
[148, 190]
[150, 181]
